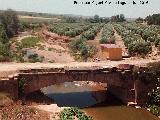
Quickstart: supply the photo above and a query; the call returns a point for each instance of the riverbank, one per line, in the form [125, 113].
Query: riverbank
[37, 105]
[119, 113]
[18, 111]
[40, 101]
[50, 106]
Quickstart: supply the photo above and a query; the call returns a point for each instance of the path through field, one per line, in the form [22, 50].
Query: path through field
[120, 43]
[12, 67]
[96, 42]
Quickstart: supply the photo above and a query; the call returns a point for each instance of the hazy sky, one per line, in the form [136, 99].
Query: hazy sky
[68, 7]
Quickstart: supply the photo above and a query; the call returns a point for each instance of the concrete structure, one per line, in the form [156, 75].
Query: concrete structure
[120, 80]
[111, 51]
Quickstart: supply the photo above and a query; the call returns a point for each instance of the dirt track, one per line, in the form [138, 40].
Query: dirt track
[10, 68]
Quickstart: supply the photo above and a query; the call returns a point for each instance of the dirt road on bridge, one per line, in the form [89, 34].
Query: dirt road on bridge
[11, 68]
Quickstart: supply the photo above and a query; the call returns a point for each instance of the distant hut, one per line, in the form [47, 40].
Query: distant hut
[111, 51]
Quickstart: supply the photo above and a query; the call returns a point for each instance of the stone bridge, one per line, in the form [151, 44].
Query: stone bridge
[120, 80]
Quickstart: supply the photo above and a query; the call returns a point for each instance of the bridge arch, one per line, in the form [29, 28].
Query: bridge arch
[120, 79]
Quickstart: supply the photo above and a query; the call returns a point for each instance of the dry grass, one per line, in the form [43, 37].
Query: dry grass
[5, 99]
[17, 111]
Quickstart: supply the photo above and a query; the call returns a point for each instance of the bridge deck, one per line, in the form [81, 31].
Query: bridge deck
[117, 75]
[12, 68]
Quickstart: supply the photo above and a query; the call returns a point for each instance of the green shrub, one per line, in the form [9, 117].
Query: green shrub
[106, 40]
[30, 42]
[80, 49]
[148, 33]
[5, 59]
[71, 29]
[71, 113]
[157, 41]
[21, 85]
[35, 58]
[154, 100]
[50, 49]
[70, 33]
[139, 47]
[155, 110]
[154, 95]
[89, 35]
[5, 54]
[87, 52]
[18, 57]
[107, 36]
[103, 40]
[4, 50]
[77, 44]
[3, 36]
[128, 40]
[92, 32]
[151, 39]
[10, 22]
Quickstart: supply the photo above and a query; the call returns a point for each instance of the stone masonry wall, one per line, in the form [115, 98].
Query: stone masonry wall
[120, 81]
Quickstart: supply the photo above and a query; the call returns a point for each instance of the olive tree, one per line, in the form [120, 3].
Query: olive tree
[9, 21]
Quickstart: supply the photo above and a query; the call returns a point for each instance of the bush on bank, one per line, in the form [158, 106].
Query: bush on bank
[72, 113]
[33, 58]
[3, 36]
[155, 110]
[154, 102]
[5, 53]
[154, 95]
[30, 42]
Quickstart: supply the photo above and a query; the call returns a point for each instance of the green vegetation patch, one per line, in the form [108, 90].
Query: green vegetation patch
[154, 94]
[72, 113]
[3, 36]
[5, 53]
[138, 38]
[30, 42]
[140, 47]
[155, 110]
[107, 35]
[82, 51]
[33, 58]
[69, 29]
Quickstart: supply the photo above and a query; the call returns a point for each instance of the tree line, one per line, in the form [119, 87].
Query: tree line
[153, 19]
[9, 25]
[96, 19]
[116, 18]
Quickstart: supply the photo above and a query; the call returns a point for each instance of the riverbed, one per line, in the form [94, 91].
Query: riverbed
[95, 100]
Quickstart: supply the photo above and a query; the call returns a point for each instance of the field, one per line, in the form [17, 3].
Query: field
[38, 19]
[81, 41]
[135, 39]
[71, 41]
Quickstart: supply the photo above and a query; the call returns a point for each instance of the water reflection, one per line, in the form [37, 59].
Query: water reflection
[73, 95]
[95, 101]
[119, 113]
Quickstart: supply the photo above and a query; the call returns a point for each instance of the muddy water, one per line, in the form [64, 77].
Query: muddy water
[119, 113]
[95, 101]
[73, 95]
